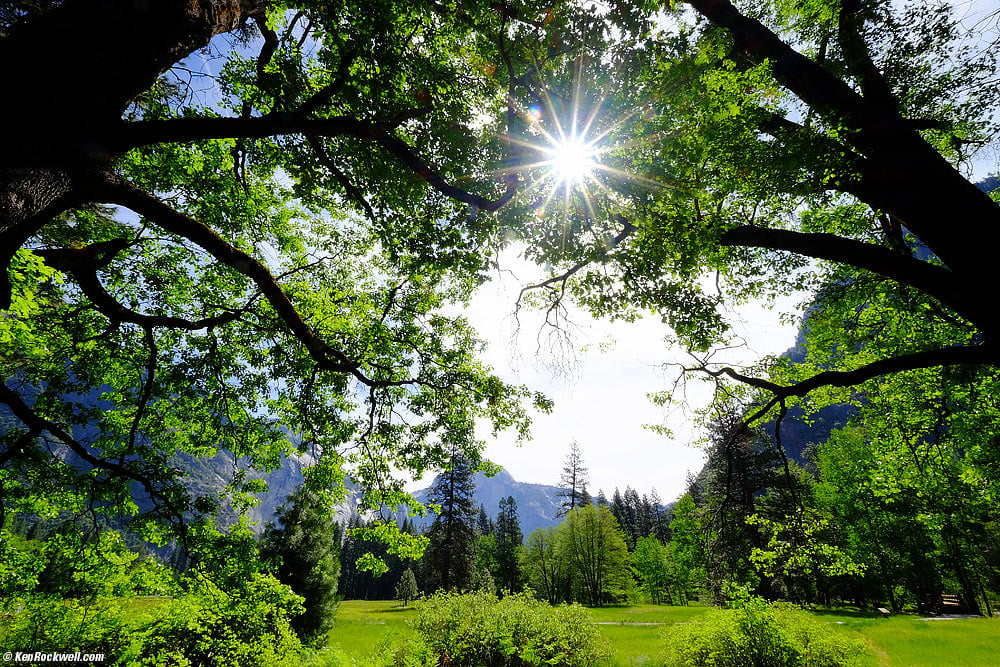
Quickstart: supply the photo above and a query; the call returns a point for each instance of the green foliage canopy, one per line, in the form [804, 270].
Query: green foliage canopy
[189, 270]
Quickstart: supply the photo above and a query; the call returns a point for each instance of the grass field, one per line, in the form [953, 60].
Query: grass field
[634, 632]
[907, 641]
[361, 626]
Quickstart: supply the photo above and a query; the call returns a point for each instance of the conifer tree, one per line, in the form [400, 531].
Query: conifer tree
[508, 544]
[406, 589]
[451, 554]
[573, 480]
[304, 550]
[484, 526]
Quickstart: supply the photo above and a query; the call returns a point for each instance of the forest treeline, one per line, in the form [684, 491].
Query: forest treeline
[831, 529]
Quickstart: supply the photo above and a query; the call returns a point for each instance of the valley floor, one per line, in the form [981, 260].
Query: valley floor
[635, 633]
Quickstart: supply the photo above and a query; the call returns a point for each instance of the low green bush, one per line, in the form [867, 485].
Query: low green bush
[328, 656]
[51, 623]
[479, 630]
[762, 635]
[208, 626]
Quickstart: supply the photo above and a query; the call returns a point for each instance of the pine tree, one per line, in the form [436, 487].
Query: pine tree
[484, 526]
[617, 507]
[661, 518]
[451, 555]
[304, 549]
[630, 521]
[645, 518]
[572, 481]
[406, 589]
[508, 544]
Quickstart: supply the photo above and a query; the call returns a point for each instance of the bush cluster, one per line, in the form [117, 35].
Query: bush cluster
[480, 630]
[70, 593]
[204, 625]
[762, 635]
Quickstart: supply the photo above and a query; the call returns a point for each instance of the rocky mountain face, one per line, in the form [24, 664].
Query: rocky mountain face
[536, 503]
[207, 476]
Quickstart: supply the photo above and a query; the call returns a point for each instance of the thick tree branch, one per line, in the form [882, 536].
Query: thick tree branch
[132, 135]
[947, 356]
[125, 194]
[121, 192]
[323, 96]
[933, 280]
[810, 81]
[873, 84]
[83, 264]
[902, 174]
[101, 55]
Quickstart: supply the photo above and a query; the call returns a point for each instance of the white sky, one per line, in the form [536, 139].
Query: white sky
[602, 402]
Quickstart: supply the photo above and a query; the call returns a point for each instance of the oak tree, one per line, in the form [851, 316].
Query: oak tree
[227, 221]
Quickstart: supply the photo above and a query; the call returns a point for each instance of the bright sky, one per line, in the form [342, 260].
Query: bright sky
[602, 402]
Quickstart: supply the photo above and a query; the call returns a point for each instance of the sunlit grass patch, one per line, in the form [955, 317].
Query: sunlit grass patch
[900, 641]
[907, 641]
[361, 626]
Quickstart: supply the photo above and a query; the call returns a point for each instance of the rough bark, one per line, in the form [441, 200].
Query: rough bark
[75, 69]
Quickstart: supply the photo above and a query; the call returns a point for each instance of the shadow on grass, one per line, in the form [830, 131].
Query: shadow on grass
[850, 613]
[392, 610]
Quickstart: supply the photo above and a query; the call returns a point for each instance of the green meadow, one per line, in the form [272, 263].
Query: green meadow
[635, 633]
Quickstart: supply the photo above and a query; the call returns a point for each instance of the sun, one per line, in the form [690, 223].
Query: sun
[565, 150]
[573, 160]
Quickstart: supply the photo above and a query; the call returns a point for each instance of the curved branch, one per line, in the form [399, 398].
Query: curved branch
[902, 174]
[936, 281]
[37, 424]
[816, 86]
[352, 191]
[946, 356]
[562, 278]
[142, 133]
[121, 192]
[83, 264]
[326, 93]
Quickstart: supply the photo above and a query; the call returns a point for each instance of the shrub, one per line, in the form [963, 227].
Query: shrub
[249, 626]
[478, 630]
[50, 623]
[756, 633]
[69, 593]
[328, 656]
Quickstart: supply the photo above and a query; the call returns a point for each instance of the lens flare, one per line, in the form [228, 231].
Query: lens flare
[573, 161]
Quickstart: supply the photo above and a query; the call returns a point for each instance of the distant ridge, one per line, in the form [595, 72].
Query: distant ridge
[536, 503]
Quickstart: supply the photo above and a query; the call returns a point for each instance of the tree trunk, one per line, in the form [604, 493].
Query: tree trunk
[75, 70]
